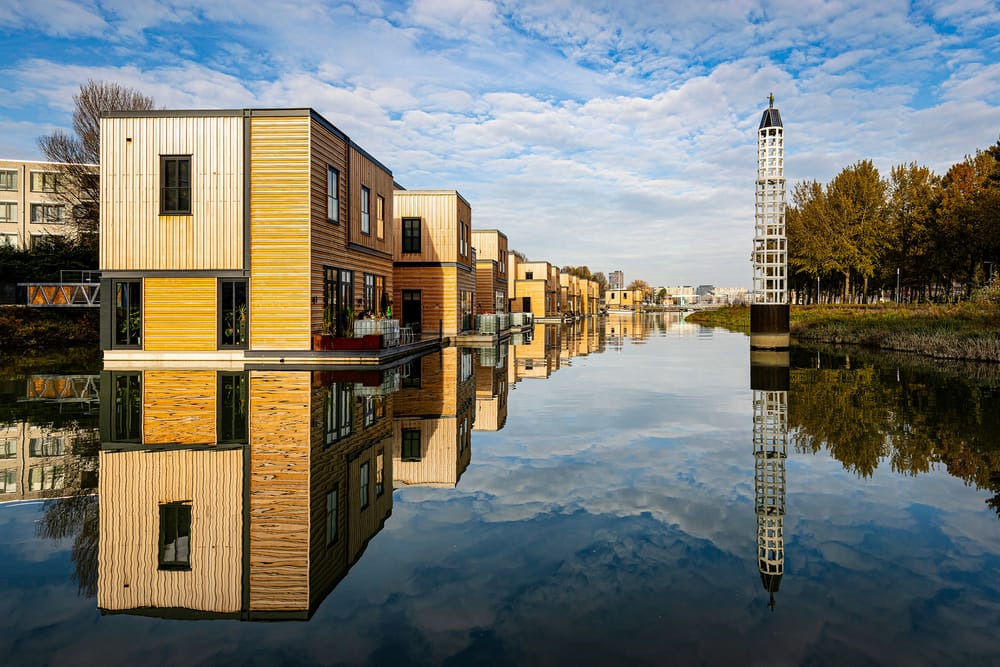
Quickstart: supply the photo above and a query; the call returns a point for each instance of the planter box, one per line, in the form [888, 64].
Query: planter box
[329, 342]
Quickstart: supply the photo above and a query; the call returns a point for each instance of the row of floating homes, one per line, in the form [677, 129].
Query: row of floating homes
[250, 494]
[269, 234]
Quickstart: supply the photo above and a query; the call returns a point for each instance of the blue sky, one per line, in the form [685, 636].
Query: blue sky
[611, 134]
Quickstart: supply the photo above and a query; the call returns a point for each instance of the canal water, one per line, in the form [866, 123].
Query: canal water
[621, 492]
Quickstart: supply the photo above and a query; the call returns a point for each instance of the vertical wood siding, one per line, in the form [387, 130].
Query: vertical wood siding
[132, 486]
[133, 234]
[440, 212]
[279, 233]
[279, 490]
[180, 314]
[179, 407]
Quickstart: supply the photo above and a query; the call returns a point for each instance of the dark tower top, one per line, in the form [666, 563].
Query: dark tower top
[771, 117]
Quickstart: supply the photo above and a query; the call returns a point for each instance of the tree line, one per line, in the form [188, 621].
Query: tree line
[852, 239]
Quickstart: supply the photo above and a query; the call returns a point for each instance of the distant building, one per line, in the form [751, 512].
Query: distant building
[704, 290]
[616, 280]
[30, 206]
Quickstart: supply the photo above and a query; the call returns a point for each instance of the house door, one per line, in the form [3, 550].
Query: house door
[411, 314]
[526, 304]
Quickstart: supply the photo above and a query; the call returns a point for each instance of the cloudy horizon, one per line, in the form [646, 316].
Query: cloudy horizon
[612, 135]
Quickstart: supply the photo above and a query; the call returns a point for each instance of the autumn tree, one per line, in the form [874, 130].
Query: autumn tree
[914, 192]
[81, 151]
[642, 286]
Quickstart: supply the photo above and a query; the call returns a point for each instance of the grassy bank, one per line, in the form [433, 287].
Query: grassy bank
[951, 331]
[40, 330]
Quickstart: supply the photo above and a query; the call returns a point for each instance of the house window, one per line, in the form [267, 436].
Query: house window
[331, 516]
[463, 238]
[8, 179]
[126, 417]
[332, 195]
[366, 221]
[410, 450]
[46, 181]
[338, 412]
[380, 216]
[8, 211]
[232, 404]
[379, 473]
[234, 331]
[8, 481]
[9, 240]
[175, 185]
[412, 375]
[8, 448]
[46, 478]
[46, 446]
[338, 311]
[128, 313]
[371, 295]
[175, 536]
[411, 234]
[364, 474]
[48, 213]
[374, 408]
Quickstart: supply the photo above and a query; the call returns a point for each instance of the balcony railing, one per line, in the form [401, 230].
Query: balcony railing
[389, 329]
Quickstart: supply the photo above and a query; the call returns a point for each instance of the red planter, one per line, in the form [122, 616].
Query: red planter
[329, 342]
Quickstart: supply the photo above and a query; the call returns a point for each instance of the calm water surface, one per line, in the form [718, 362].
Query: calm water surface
[591, 496]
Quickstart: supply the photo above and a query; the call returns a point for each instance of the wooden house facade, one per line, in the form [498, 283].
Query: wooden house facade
[491, 389]
[434, 277]
[535, 289]
[623, 299]
[570, 294]
[237, 233]
[491, 270]
[222, 519]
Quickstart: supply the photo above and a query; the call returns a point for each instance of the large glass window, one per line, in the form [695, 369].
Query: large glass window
[232, 406]
[46, 181]
[48, 213]
[338, 310]
[126, 419]
[411, 234]
[410, 450]
[332, 195]
[175, 536]
[175, 185]
[338, 412]
[8, 211]
[372, 293]
[380, 216]
[128, 313]
[366, 221]
[8, 179]
[233, 316]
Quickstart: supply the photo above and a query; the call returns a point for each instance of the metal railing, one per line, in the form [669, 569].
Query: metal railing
[63, 294]
[389, 329]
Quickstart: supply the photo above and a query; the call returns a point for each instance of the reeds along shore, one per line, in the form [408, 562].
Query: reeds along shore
[966, 330]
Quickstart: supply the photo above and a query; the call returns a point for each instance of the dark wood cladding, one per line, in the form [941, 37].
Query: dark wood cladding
[766, 318]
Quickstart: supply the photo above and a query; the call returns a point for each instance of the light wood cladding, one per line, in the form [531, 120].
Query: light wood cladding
[180, 314]
[441, 288]
[280, 232]
[178, 407]
[364, 172]
[440, 212]
[279, 490]
[132, 486]
[133, 234]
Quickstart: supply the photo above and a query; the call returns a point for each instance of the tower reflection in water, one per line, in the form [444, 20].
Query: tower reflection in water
[769, 381]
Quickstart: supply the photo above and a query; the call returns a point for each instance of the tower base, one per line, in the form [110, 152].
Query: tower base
[769, 326]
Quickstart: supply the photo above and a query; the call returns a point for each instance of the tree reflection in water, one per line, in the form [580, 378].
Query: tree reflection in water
[919, 414]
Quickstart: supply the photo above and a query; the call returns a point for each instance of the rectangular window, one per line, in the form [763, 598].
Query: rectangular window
[412, 375]
[8, 448]
[381, 298]
[232, 402]
[128, 313]
[8, 179]
[46, 181]
[529, 275]
[338, 412]
[126, 418]
[363, 488]
[332, 195]
[234, 330]
[8, 481]
[380, 217]
[46, 446]
[9, 240]
[373, 409]
[410, 450]
[175, 185]
[175, 536]
[48, 213]
[463, 238]
[366, 221]
[411, 234]
[331, 516]
[46, 478]
[371, 298]
[8, 211]
[379, 473]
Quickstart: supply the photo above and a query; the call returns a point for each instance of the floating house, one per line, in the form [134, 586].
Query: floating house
[491, 388]
[238, 233]
[491, 270]
[534, 288]
[623, 299]
[434, 262]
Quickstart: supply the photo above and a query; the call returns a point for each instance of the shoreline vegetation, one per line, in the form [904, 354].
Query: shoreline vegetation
[966, 330]
[59, 337]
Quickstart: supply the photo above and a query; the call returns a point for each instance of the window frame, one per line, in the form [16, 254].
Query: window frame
[117, 312]
[229, 287]
[338, 412]
[8, 175]
[364, 484]
[410, 235]
[179, 188]
[332, 499]
[366, 217]
[178, 509]
[56, 178]
[332, 201]
[232, 424]
[406, 444]
[10, 208]
[379, 217]
[380, 473]
[46, 208]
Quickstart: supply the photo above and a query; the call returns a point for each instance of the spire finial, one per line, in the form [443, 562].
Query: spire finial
[770, 99]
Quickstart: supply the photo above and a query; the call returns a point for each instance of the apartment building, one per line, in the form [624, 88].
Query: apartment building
[31, 206]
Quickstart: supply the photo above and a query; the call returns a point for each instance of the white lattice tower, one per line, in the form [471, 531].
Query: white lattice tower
[770, 254]
[770, 448]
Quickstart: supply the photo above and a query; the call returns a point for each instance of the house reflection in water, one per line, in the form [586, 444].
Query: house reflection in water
[491, 388]
[432, 423]
[239, 494]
